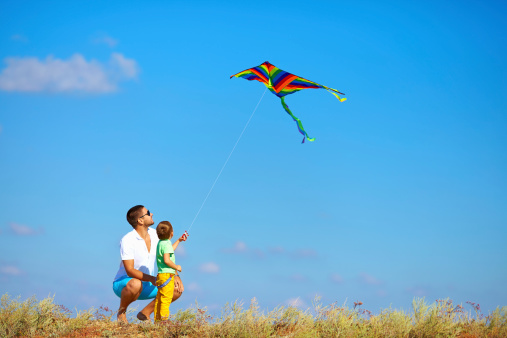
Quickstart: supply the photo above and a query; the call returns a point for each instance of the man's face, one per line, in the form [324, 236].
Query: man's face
[146, 218]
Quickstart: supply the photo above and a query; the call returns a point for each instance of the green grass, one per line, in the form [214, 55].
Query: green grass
[440, 319]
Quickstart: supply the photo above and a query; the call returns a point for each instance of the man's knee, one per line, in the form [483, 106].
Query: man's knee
[133, 287]
[176, 295]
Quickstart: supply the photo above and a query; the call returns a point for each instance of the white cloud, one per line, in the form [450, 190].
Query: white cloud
[213, 306]
[10, 270]
[55, 75]
[304, 253]
[297, 277]
[257, 253]
[209, 268]
[106, 40]
[127, 67]
[277, 250]
[418, 291]
[239, 247]
[89, 300]
[370, 280]
[297, 302]
[23, 230]
[324, 215]
[181, 251]
[193, 287]
[19, 37]
[336, 278]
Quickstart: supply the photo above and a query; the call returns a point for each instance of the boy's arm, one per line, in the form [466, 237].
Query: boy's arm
[169, 262]
[183, 238]
[175, 244]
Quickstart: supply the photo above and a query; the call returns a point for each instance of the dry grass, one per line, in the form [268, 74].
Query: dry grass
[441, 319]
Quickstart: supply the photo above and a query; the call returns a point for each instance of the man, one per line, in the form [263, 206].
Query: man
[136, 276]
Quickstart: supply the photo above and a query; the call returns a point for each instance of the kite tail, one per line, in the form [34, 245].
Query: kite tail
[335, 94]
[298, 122]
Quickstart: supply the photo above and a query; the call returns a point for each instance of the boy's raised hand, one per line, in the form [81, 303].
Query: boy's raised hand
[184, 237]
[178, 267]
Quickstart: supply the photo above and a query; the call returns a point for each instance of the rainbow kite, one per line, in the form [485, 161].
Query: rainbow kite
[281, 83]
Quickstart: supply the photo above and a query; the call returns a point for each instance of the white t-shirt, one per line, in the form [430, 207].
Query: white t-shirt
[132, 246]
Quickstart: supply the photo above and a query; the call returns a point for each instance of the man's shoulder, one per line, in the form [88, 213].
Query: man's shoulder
[153, 234]
[131, 235]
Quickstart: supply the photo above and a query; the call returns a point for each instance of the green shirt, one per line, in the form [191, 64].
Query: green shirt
[165, 246]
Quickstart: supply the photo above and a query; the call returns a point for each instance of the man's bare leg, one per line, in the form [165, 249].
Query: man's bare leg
[145, 313]
[129, 294]
[176, 295]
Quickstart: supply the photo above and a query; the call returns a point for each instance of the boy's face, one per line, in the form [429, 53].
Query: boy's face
[171, 235]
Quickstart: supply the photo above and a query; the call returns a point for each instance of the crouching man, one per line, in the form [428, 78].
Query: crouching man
[136, 276]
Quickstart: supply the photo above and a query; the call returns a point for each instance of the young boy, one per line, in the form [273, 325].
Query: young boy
[166, 269]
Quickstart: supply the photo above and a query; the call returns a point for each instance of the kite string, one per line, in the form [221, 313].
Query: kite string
[227, 160]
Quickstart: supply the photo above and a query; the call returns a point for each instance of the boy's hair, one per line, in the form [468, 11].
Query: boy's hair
[133, 215]
[164, 230]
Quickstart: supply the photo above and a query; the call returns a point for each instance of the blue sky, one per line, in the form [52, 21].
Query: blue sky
[107, 105]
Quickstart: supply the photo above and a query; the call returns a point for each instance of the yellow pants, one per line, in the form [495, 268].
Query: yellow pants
[164, 296]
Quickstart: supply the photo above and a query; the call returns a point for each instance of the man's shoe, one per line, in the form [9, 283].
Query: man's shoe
[141, 316]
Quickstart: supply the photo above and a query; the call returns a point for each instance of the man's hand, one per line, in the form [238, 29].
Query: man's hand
[178, 267]
[134, 273]
[153, 280]
[178, 285]
[178, 288]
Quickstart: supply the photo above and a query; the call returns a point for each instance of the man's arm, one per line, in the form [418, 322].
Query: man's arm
[134, 273]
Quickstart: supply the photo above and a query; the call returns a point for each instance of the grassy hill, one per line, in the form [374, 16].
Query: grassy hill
[442, 318]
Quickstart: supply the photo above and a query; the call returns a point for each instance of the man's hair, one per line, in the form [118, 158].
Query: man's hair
[164, 230]
[133, 215]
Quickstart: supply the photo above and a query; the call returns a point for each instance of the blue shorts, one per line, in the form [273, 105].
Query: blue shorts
[149, 290]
